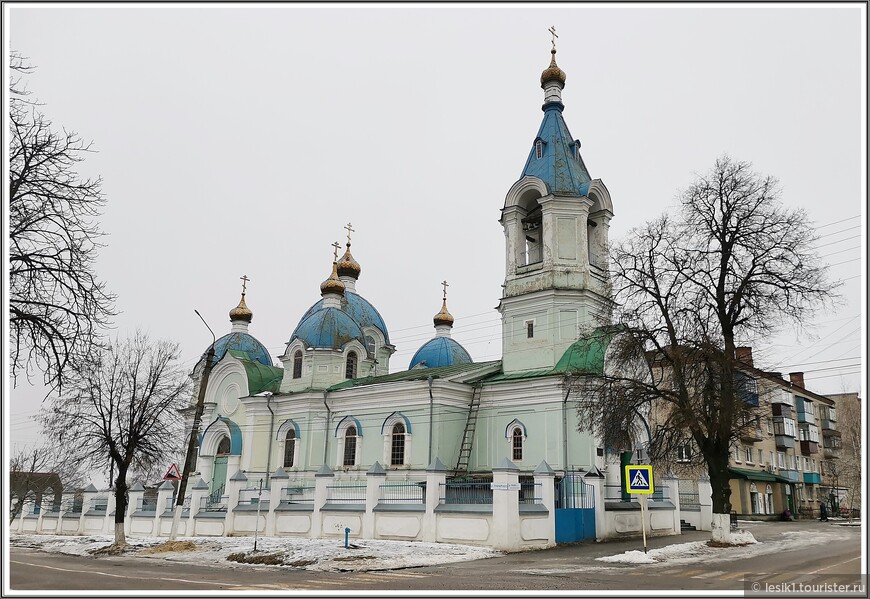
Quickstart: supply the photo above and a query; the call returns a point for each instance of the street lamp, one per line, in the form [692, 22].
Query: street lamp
[190, 460]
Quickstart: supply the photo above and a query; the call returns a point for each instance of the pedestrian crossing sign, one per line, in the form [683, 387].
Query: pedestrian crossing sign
[639, 479]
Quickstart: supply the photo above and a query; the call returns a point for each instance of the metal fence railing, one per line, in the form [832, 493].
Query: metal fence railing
[346, 493]
[530, 493]
[408, 492]
[146, 504]
[572, 492]
[472, 492]
[298, 492]
[100, 504]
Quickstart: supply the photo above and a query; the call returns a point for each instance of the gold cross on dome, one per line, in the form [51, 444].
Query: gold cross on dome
[335, 247]
[244, 279]
[349, 231]
[445, 286]
[552, 30]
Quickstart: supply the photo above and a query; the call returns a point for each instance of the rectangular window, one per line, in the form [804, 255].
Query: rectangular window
[737, 454]
[684, 452]
[349, 451]
[769, 425]
[807, 465]
[771, 458]
[780, 459]
[760, 457]
[747, 452]
[530, 329]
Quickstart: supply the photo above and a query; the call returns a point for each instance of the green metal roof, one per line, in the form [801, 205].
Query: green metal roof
[415, 374]
[260, 377]
[759, 475]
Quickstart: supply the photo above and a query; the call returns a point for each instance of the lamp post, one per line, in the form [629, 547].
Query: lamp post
[190, 460]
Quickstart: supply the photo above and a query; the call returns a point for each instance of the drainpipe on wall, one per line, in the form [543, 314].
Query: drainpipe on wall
[565, 426]
[271, 432]
[326, 432]
[431, 400]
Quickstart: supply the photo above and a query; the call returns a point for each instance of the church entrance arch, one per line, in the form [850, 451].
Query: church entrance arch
[219, 473]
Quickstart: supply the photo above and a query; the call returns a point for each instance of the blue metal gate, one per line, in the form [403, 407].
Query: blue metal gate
[575, 509]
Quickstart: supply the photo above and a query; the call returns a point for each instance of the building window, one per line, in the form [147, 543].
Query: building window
[747, 452]
[397, 454]
[297, 365]
[539, 149]
[780, 459]
[517, 444]
[684, 452]
[770, 426]
[349, 447]
[530, 329]
[223, 448]
[737, 454]
[350, 366]
[289, 448]
[760, 457]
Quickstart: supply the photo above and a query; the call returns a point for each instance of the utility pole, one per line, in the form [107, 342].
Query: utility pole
[190, 460]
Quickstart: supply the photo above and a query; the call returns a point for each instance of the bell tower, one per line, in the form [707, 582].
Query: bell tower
[555, 220]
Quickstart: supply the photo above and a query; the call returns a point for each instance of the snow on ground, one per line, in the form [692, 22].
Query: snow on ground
[309, 554]
[700, 551]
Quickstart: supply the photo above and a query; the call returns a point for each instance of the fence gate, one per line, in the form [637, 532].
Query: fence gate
[575, 509]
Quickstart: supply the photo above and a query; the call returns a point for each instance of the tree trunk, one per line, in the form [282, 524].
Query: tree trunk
[717, 466]
[121, 499]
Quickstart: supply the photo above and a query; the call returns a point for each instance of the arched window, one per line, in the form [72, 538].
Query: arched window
[397, 455]
[289, 448]
[370, 344]
[297, 365]
[350, 366]
[223, 448]
[539, 149]
[517, 443]
[349, 446]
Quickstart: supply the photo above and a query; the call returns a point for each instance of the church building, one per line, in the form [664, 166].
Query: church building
[335, 405]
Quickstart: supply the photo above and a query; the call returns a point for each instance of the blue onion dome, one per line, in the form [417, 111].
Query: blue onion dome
[440, 351]
[328, 328]
[443, 317]
[553, 72]
[347, 266]
[333, 284]
[359, 309]
[239, 339]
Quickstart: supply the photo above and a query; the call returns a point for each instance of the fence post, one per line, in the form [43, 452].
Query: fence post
[436, 475]
[705, 500]
[109, 520]
[596, 482]
[672, 484]
[544, 477]
[198, 492]
[375, 477]
[505, 506]
[237, 482]
[322, 478]
[164, 491]
[87, 500]
[276, 490]
[134, 497]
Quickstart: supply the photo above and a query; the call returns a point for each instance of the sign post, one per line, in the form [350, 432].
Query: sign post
[639, 481]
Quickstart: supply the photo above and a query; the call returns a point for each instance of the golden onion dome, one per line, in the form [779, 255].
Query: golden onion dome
[443, 317]
[347, 266]
[241, 312]
[553, 72]
[333, 284]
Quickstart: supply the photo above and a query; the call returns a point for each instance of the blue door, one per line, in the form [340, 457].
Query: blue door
[575, 509]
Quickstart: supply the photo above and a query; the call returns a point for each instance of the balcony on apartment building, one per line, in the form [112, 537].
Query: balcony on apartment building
[812, 478]
[784, 441]
[751, 433]
[783, 410]
[831, 453]
[792, 475]
[809, 447]
[804, 409]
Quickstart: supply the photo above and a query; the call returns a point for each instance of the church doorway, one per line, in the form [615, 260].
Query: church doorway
[219, 474]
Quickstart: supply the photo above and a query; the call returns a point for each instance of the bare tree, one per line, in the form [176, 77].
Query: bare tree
[35, 471]
[849, 467]
[122, 407]
[733, 264]
[57, 306]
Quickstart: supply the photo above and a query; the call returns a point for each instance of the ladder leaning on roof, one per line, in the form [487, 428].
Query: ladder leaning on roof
[468, 435]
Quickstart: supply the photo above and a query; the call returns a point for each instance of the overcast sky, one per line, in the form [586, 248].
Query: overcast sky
[238, 139]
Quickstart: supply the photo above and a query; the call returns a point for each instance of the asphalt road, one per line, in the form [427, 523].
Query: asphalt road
[564, 568]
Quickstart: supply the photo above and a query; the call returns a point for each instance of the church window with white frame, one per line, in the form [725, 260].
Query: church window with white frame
[290, 448]
[397, 445]
[297, 364]
[349, 453]
[350, 365]
[517, 444]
